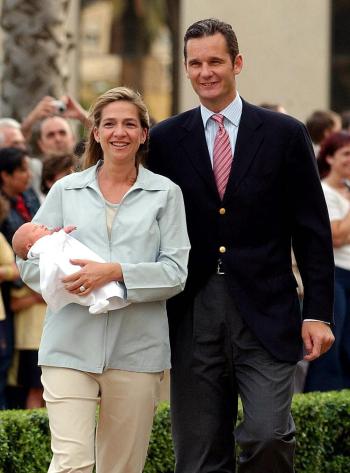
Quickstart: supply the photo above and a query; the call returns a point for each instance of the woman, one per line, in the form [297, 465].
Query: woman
[135, 221]
[15, 177]
[332, 370]
[55, 167]
[8, 272]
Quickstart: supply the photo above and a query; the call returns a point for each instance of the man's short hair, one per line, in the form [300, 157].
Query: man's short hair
[7, 123]
[10, 123]
[209, 27]
[319, 122]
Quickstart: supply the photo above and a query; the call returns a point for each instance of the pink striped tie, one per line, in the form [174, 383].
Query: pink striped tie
[222, 155]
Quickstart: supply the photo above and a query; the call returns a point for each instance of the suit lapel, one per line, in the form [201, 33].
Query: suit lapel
[194, 143]
[249, 138]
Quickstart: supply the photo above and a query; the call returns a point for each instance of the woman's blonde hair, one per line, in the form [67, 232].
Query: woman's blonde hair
[93, 151]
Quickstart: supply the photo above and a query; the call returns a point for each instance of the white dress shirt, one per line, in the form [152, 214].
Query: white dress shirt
[232, 116]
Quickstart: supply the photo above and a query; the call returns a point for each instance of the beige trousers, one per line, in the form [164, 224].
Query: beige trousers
[127, 404]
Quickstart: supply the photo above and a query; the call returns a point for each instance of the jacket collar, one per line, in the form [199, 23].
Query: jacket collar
[145, 180]
[249, 138]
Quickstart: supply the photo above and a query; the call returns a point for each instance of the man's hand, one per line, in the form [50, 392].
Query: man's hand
[317, 337]
[43, 109]
[74, 110]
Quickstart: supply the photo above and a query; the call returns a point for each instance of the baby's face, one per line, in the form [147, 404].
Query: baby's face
[38, 231]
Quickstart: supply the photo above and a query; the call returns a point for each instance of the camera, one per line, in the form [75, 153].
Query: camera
[59, 105]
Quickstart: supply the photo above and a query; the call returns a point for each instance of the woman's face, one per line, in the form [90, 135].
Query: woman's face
[19, 180]
[120, 133]
[340, 162]
[50, 182]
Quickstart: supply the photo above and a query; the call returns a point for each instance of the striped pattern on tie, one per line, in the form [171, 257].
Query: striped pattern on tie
[222, 155]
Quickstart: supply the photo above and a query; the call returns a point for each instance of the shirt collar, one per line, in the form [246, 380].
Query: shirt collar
[146, 179]
[232, 112]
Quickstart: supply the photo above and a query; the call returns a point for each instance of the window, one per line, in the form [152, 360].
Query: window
[340, 65]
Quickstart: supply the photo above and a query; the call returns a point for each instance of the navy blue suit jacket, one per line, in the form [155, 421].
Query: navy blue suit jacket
[273, 198]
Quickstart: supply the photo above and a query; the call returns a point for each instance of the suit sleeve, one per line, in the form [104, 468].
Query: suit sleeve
[311, 233]
[155, 159]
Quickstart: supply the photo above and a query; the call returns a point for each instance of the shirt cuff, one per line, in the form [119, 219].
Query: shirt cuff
[316, 320]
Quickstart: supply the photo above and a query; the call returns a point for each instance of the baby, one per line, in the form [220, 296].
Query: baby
[54, 249]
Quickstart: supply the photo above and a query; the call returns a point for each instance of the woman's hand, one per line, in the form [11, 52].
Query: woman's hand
[91, 276]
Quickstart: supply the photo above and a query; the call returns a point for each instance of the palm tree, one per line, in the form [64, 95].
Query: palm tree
[173, 22]
[36, 43]
[136, 24]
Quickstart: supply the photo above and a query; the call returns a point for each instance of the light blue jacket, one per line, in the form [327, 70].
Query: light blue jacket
[149, 239]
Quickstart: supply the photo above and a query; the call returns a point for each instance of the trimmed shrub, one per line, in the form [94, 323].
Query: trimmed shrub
[323, 437]
[160, 458]
[323, 432]
[24, 441]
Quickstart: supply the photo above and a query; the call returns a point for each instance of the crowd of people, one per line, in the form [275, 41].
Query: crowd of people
[242, 181]
[25, 179]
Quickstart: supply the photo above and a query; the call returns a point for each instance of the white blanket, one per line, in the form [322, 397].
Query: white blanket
[54, 253]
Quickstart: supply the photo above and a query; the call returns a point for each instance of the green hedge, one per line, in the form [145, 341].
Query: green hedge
[322, 420]
[323, 432]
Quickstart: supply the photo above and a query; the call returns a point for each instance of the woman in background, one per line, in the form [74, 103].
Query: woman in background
[15, 177]
[332, 370]
[8, 272]
[55, 167]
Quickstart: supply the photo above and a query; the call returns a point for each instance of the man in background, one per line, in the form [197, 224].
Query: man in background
[11, 136]
[48, 122]
[320, 124]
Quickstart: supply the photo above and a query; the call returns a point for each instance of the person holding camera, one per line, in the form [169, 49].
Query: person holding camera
[49, 121]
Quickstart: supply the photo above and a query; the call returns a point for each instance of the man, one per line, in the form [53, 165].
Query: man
[275, 107]
[320, 124]
[11, 136]
[55, 137]
[237, 327]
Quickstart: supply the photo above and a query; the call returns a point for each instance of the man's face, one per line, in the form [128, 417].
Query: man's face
[211, 71]
[13, 138]
[56, 137]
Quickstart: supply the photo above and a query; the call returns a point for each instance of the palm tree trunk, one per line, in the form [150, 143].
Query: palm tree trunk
[36, 44]
[173, 21]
